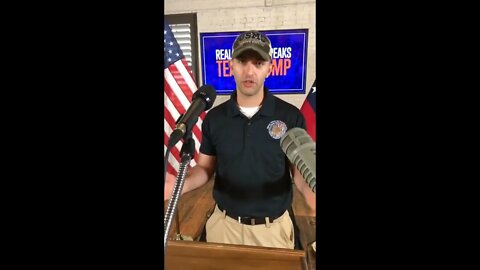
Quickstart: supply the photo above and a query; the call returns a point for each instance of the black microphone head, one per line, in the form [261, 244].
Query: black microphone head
[207, 93]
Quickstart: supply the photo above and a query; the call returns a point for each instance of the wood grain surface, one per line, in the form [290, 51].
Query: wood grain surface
[194, 208]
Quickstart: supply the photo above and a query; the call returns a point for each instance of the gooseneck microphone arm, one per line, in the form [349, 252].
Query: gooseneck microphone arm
[187, 153]
[202, 100]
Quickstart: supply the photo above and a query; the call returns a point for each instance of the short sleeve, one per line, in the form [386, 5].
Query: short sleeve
[206, 146]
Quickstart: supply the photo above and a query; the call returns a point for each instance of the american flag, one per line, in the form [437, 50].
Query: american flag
[309, 111]
[179, 87]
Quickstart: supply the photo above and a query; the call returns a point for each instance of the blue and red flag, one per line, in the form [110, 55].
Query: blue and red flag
[309, 111]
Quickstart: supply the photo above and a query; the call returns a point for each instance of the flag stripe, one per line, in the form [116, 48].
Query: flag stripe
[171, 115]
[179, 100]
[174, 92]
[191, 83]
[181, 67]
[179, 86]
[187, 88]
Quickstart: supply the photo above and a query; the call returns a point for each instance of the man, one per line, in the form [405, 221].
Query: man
[241, 145]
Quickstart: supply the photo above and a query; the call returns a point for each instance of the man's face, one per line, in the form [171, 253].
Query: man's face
[250, 71]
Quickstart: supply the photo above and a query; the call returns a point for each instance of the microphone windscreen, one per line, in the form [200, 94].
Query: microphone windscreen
[207, 93]
[294, 139]
[301, 151]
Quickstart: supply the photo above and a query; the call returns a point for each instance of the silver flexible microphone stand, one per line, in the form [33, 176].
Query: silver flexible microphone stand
[187, 152]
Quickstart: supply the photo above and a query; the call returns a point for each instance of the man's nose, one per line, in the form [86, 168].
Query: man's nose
[250, 68]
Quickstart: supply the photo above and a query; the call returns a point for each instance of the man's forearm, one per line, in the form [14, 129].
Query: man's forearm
[310, 197]
[305, 190]
[196, 177]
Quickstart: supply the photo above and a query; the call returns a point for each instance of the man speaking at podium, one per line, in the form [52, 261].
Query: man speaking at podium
[241, 146]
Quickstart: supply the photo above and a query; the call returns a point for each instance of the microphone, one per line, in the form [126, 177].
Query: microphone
[202, 100]
[301, 151]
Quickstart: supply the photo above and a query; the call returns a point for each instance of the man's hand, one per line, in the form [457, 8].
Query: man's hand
[197, 176]
[303, 187]
[169, 183]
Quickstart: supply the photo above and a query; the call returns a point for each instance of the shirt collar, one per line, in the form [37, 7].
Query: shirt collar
[267, 109]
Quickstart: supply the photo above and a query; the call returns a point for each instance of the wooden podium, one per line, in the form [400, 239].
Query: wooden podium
[194, 208]
[196, 255]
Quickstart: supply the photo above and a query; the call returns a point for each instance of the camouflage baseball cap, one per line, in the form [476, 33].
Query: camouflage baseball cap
[253, 40]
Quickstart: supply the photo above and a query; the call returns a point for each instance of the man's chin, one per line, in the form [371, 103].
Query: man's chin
[249, 92]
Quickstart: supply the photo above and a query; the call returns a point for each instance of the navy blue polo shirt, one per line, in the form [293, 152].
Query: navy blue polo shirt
[252, 175]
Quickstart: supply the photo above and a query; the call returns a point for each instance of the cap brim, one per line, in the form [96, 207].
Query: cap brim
[254, 48]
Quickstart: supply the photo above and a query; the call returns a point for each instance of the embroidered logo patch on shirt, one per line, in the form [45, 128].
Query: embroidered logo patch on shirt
[277, 129]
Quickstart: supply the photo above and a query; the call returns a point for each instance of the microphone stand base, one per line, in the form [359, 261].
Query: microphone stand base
[183, 237]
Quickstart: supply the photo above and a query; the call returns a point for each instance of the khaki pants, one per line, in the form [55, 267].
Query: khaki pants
[278, 233]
